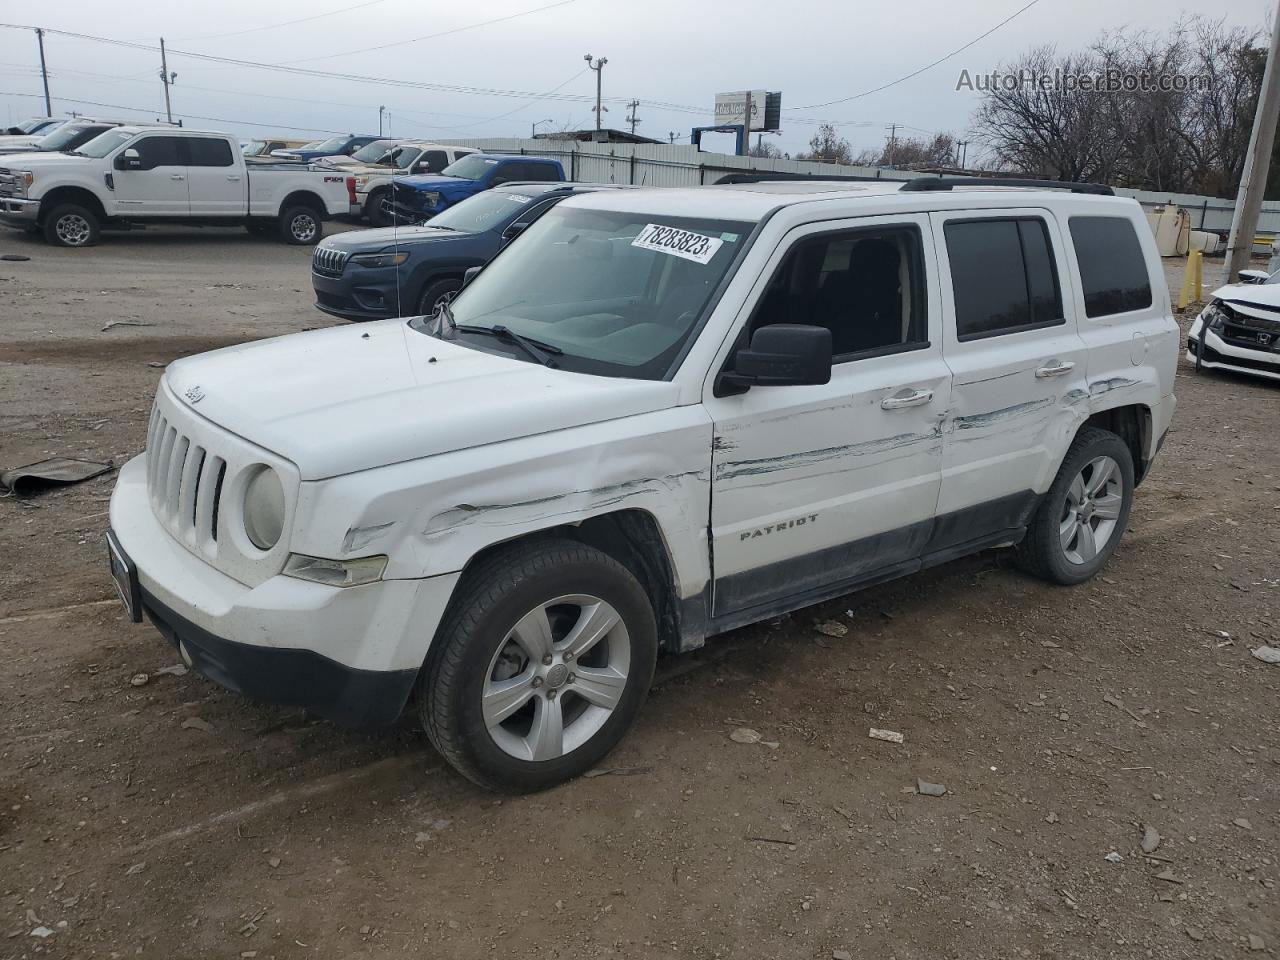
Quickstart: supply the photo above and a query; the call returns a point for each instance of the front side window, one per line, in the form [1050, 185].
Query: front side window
[617, 293]
[1113, 271]
[1003, 276]
[160, 152]
[865, 285]
[207, 152]
[435, 160]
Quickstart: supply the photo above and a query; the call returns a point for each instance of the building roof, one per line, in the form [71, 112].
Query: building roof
[607, 135]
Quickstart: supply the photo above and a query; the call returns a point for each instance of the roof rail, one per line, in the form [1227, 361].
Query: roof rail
[947, 183]
[731, 178]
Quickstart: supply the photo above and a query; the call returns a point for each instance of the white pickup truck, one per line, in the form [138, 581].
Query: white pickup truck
[375, 167]
[137, 175]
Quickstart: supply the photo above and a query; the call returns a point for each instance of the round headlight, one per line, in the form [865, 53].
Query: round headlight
[264, 508]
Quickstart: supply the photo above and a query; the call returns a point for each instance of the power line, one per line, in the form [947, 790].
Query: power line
[434, 36]
[286, 23]
[916, 73]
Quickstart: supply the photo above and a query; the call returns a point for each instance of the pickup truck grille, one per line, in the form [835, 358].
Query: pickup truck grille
[10, 186]
[328, 261]
[184, 481]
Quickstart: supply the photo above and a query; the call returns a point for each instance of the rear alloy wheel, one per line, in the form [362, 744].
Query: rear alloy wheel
[300, 226]
[1079, 522]
[71, 225]
[540, 667]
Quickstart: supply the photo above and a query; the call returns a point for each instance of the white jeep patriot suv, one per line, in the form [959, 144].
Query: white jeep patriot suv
[655, 416]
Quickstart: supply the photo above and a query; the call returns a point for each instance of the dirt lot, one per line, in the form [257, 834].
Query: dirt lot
[1060, 721]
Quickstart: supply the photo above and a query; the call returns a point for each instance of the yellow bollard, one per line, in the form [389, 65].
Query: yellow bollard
[1191, 280]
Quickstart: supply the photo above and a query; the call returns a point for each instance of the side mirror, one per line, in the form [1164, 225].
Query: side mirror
[470, 274]
[129, 159]
[1253, 276]
[514, 231]
[782, 355]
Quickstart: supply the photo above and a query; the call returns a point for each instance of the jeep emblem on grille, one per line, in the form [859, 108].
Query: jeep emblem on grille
[194, 394]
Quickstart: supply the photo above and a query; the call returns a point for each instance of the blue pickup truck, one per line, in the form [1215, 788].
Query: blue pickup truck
[342, 146]
[418, 199]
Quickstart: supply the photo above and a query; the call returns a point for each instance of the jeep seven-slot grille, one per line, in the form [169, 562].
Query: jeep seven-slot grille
[184, 481]
[328, 261]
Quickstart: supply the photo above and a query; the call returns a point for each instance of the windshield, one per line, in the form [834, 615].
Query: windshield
[253, 148]
[372, 152]
[63, 138]
[619, 293]
[484, 211]
[46, 126]
[100, 146]
[471, 167]
[333, 143]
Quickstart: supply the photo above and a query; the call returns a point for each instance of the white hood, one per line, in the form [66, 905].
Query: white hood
[351, 398]
[1264, 295]
[32, 161]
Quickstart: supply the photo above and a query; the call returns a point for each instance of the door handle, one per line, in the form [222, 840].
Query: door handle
[233, 177]
[176, 176]
[906, 397]
[1055, 368]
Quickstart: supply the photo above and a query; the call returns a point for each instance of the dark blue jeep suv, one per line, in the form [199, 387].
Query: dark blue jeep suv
[405, 271]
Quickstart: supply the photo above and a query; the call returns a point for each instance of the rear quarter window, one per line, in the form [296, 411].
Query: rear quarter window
[1113, 270]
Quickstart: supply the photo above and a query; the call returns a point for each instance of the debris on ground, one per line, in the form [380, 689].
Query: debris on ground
[888, 736]
[177, 670]
[42, 932]
[618, 771]
[1256, 943]
[1267, 654]
[1150, 839]
[1051, 818]
[139, 680]
[55, 471]
[125, 323]
[745, 735]
[136, 869]
[1113, 857]
[1167, 876]
[195, 723]
[926, 789]
[841, 955]
[1242, 823]
[832, 628]
[14, 258]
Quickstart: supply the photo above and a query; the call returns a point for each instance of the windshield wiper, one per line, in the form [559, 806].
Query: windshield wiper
[543, 353]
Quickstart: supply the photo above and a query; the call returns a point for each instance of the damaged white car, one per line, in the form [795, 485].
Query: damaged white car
[657, 415]
[1243, 327]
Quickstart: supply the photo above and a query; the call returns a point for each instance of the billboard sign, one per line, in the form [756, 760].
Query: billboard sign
[732, 107]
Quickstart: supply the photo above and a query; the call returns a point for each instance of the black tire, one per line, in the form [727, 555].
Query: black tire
[434, 292]
[489, 602]
[72, 225]
[300, 225]
[373, 211]
[1042, 551]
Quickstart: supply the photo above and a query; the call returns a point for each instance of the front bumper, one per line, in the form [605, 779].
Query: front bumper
[361, 293]
[352, 655]
[19, 212]
[1220, 355]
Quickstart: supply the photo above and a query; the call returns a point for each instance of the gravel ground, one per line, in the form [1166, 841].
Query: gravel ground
[173, 819]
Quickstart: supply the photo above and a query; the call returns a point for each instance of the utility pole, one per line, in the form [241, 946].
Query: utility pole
[671, 136]
[44, 73]
[381, 111]
[631, 117]
[166, 78]
[533, 127]
[964, 152]
[598, 67]
[1253, 184]
[893, 141]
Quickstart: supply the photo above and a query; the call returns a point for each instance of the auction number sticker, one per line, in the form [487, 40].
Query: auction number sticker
[680, 243]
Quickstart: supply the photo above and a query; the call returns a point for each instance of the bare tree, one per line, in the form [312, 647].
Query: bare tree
[765, 150]
[913, 153]
[828, 145]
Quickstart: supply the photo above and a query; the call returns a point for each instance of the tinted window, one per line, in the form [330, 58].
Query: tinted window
[160, 152]
[1113, 270]
[205, 152]
[544, 172]
[435, 160]
[865, 286]
[1002, 276]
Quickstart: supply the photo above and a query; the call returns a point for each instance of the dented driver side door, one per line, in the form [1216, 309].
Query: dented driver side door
[818, 488]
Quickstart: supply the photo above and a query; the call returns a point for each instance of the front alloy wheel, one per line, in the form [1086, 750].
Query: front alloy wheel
[540, 665]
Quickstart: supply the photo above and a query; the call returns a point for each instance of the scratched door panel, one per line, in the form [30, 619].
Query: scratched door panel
[820, 485]
[1017, 391]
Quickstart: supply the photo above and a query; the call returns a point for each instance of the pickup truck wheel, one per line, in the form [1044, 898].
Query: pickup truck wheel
[300, 225]
[71, 225]
[540, 665]
[434, 295]
[1079, 523]
[373, 209]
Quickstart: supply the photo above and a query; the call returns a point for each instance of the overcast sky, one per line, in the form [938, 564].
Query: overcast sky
[676, 51]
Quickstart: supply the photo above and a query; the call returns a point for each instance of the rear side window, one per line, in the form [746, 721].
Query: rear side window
[1002, 276]
[1113, 271]
[206, 152]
